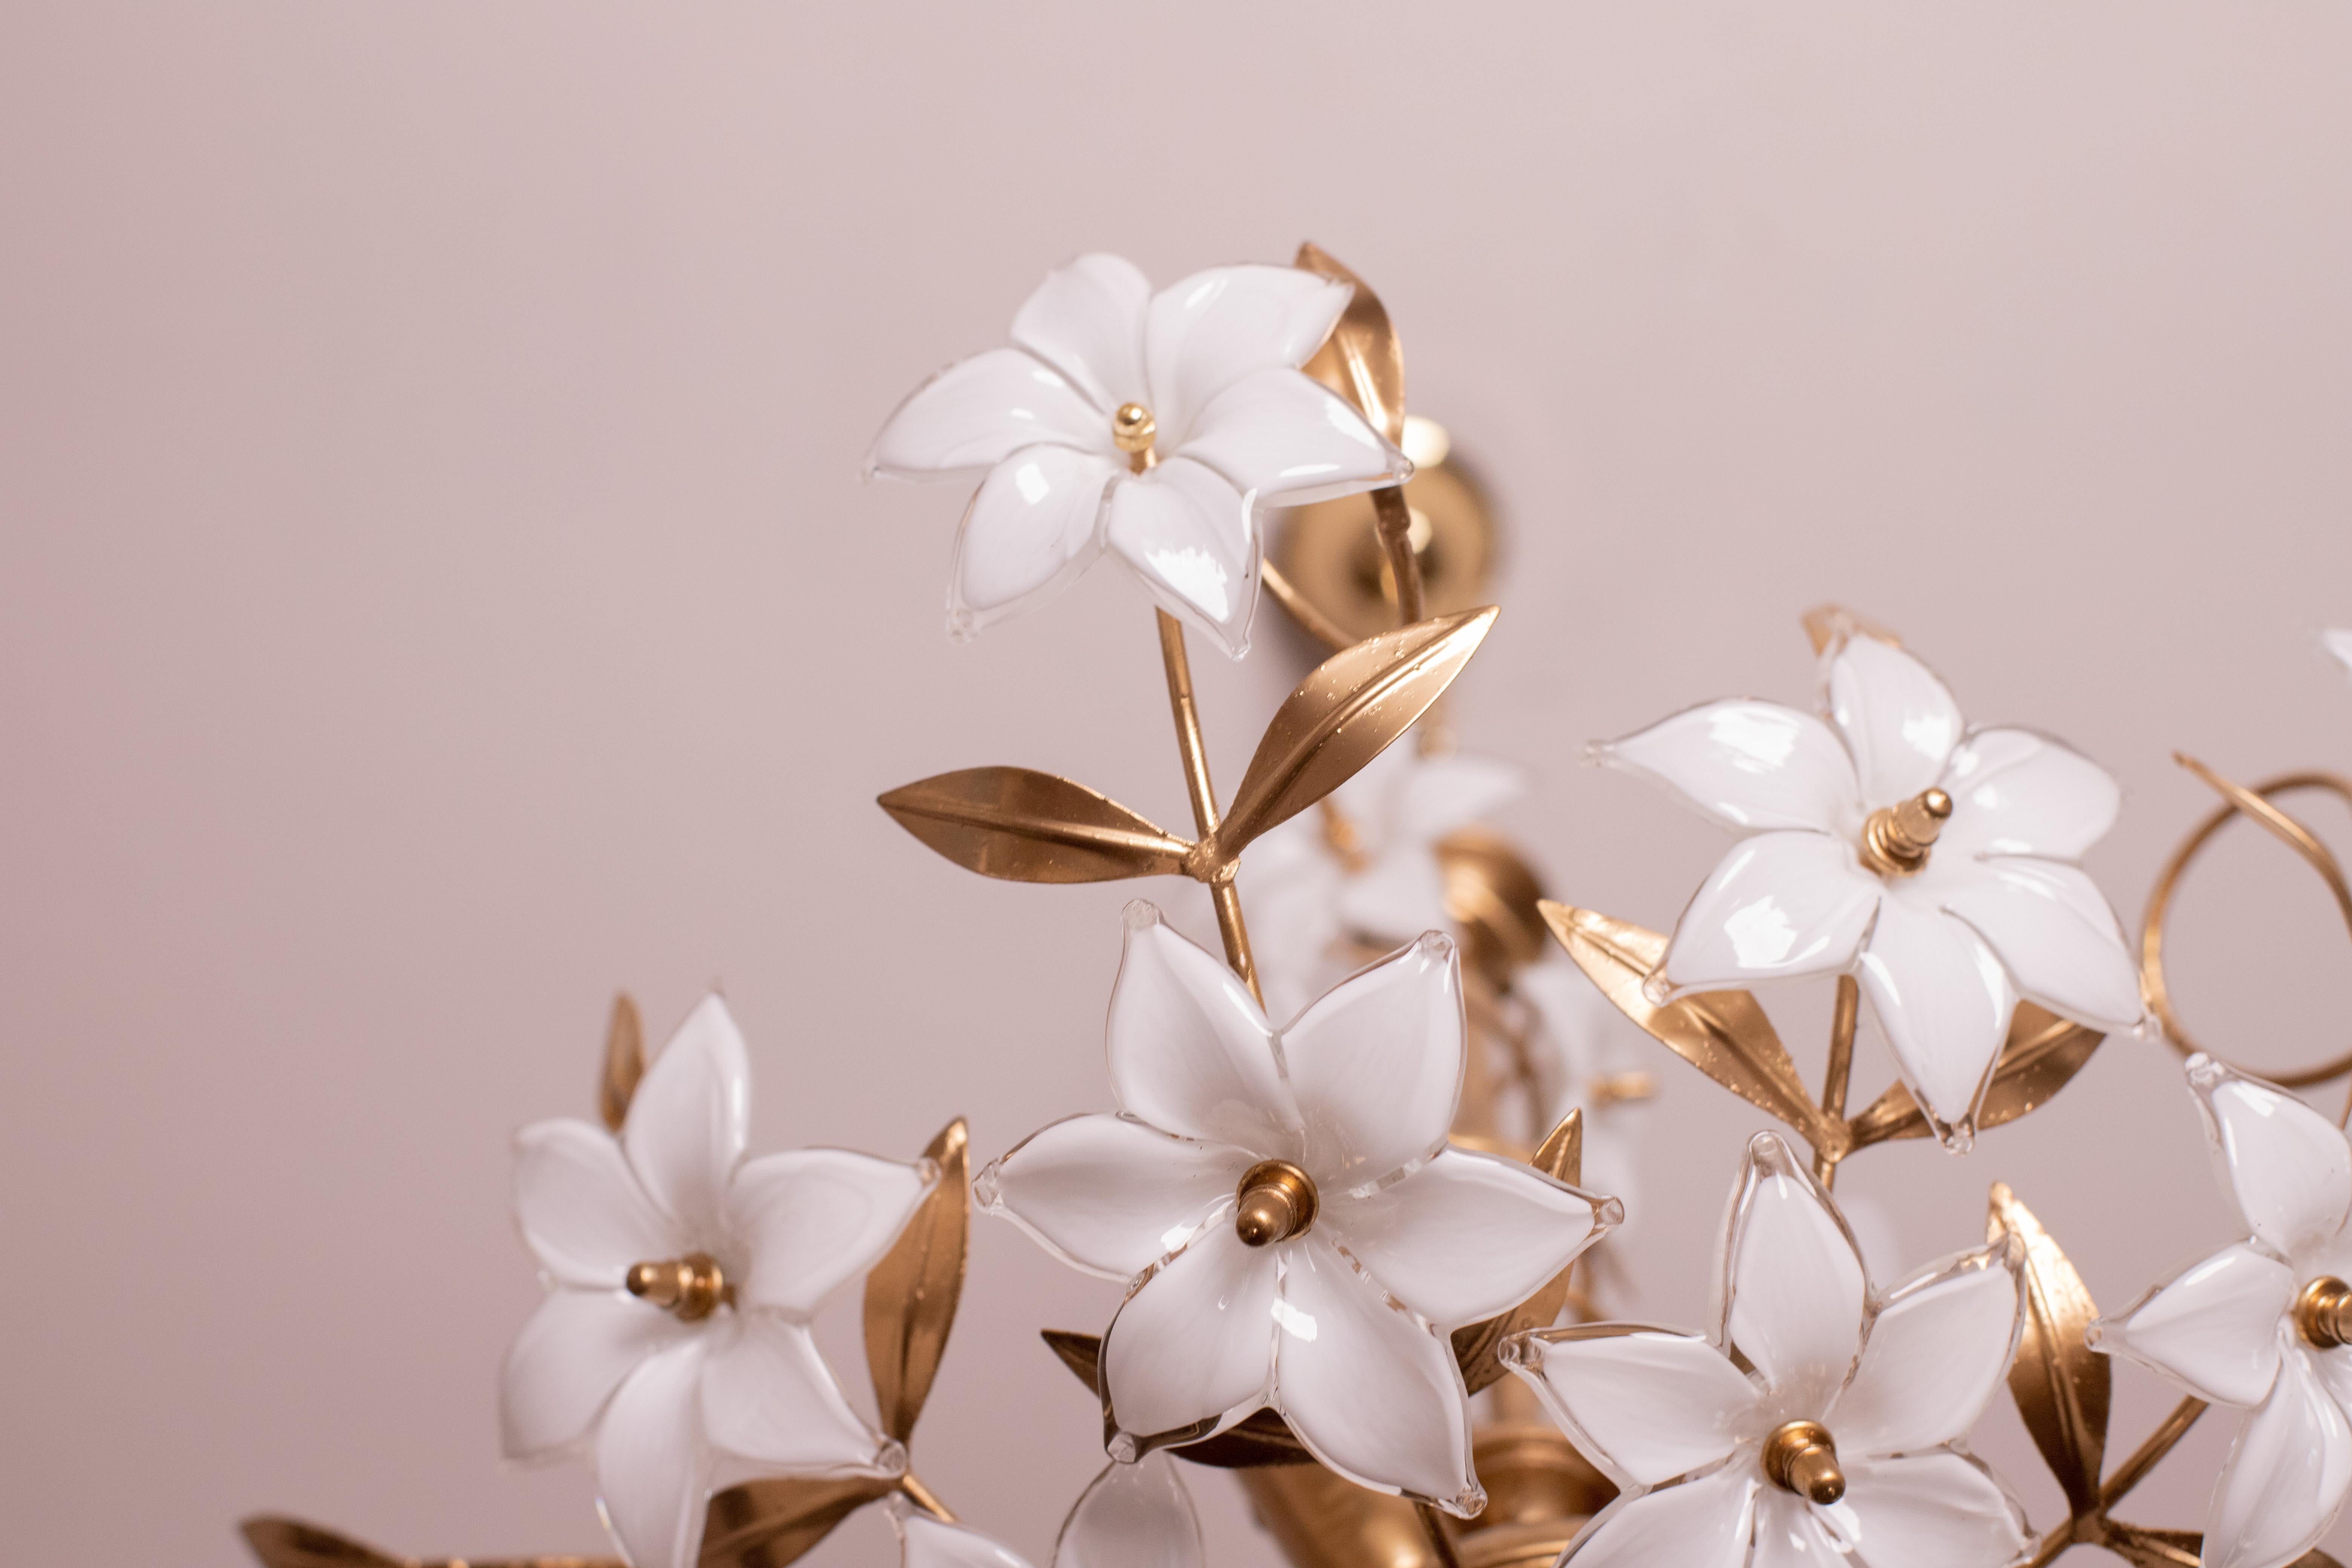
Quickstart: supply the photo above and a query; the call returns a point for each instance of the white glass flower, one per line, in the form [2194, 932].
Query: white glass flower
[2339, 643]
[1295, 1230]
[2261, 1324]
[681, 1281]
[1132, 1516]
[1821, 1424]
[1154, 424]
[1935, 861]
[1363, 868]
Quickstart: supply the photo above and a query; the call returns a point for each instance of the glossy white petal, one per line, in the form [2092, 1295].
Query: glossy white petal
[1190, 1052]
[2016, 793]
[1087, 320]
[1397, 896]
[653, 1469]
[2338, 643]
[1779, 905]
[1790, 1533]
[980, 411]
[564, 1365]
[1936, 1352]
[1032, 527]
[2054, 933]
[2286, 1476]
[1194, 1344]
[1944, 1001]
[1372, 1390]
[1926, 1510]
[1898, 719]
[815, 1219]
[768, 1397]
[2213, 1329]
[1437, 795]
[928, 1543]
[1792, 1277]
[1375, 1065]
[1191, 539]
[1276, 434]
[2288, 1167]
[1217, 327]
[1468, 1234]
[1755, 766]
[1133, 1516]
[580, 1207]
[1111, 1195]
[1702, 1523]
[688, 1122]
[1645, 1404]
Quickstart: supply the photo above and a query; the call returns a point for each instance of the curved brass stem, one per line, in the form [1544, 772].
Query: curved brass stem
[1319, 626]
[916, 1492]
[1396, 538]
[1848, 1013]
[1195, 754]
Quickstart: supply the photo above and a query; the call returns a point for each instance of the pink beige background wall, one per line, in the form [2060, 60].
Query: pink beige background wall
[436, 589]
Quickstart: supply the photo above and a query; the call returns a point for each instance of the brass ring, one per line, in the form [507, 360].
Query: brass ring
[2255, 802]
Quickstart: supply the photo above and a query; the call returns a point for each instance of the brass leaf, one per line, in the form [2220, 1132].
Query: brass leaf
[1476, 1346]
[2160, 1548]
[2042, 1053]
[1344, 715]
[1028, 826]
[1261, 1438]
[1362, 360]
[910, 1296]
[625, 1061]
[1824, 624]
[1724, 1034]
[291, 1543]
[768, 1523]
[2060, 1384]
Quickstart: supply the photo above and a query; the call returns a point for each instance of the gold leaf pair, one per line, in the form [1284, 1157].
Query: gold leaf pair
[1028, 826]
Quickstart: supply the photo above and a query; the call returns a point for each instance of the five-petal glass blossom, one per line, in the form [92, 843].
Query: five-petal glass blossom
[1698, 1433]
[1338, 1317]
[1992, 909]
[723, 1382]
[1154, 424]
[2242, 1327]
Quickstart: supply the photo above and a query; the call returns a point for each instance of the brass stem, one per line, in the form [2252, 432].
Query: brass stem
[2132, 1471]
[1843, 1019]
[1195, 754]
[1319, 626]
[921, 1496]
[1396, 538]
[1441, 1544]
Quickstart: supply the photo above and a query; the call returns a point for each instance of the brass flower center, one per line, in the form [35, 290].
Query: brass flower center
[1896, 839]
[1798, 1456]
[1132, 430]
[692, 1287]
[1277, 1202]
[2323, 1312]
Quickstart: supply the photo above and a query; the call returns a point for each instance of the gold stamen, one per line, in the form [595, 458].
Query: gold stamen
[1132, 430]
[1277, 1202]
[1896, 839]
[692, 1287]
[1799, 1457]
[2323, 1312]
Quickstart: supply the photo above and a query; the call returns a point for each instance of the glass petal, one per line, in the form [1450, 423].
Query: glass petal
[1195, 1342]
[2016, 793]
[1030, 530]
[1944, 1001]
[1372, 1390]
[1216, 326]
[2338, 643]
[1133, 1516]
[1087, 320]
[1792, 1283]
[564, 1365]
[1936, 1352]
[768, 1397]
[1438, 794]
[814, 1219]
[928, 1543]
[1191, 539]
[1791, 1533]
[1468, 1234]
[1376, 1065]
[1779, 906]
[580, 1207]
[688, 1122]
[1898, 719]
[1645, 1404]
[1111, 1195]
[1756, 766]
[2286, 1476]
[1277, 435]
[1704, 1522]
[980, 411]
[1190, 1052]
[653, 1470]
[2288, 1166]
[2054, 933]
[2213, 1329]
[1927, 1511]
[1395, 899]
